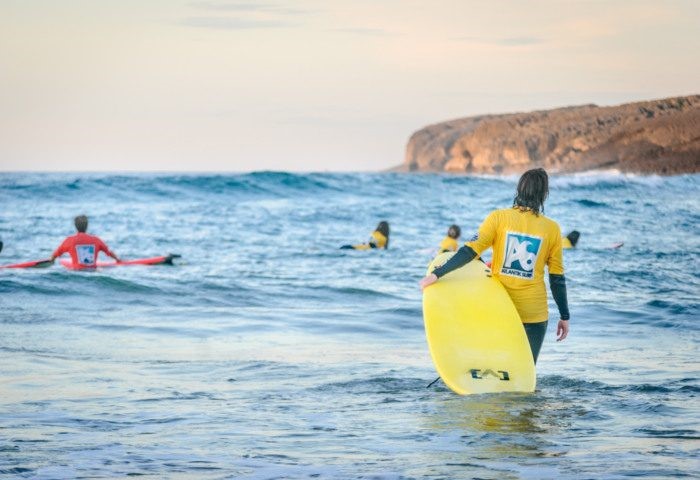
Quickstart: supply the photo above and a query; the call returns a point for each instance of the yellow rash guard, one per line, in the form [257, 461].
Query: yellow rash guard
[449, 244]
[566, 243]
[523, 243]
[377, 240]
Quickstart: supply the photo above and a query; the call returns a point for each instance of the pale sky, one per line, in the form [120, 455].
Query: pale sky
[310, 85]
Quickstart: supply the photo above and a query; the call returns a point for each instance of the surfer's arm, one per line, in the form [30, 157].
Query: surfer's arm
[102, 246]
[63, 248]
[557, 284]
[463, 256]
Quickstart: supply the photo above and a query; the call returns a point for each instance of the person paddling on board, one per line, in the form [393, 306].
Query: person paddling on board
[450, 243]
[523, 242]
[82, 247]
[378, 239]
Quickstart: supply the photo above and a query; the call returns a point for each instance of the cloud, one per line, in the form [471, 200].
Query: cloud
[503, 41]
[222, 15]
[248, 8]
[232, 23]
[373, 32]
[516, 41]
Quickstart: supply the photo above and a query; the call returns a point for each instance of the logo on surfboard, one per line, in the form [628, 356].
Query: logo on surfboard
[521, 255]
[480, 374]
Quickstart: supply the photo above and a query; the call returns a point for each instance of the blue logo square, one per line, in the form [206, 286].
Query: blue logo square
[521, 255]
[86, 254]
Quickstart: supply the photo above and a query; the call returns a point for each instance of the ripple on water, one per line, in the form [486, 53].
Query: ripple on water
[269, 353]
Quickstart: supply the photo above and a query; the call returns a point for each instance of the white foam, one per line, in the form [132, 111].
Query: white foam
[594, 177]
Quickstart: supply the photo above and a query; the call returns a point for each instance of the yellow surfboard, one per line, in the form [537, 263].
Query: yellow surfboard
[476, 339]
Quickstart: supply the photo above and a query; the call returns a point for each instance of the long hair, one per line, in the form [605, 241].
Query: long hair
[533, 189]
[383, 228]
[573, 237]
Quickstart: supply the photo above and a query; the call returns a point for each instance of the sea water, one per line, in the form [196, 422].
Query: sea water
[267, 352]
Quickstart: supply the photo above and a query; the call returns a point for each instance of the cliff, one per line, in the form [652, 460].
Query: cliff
[659, 136]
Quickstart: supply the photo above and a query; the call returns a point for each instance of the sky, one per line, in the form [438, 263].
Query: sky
[310, 85]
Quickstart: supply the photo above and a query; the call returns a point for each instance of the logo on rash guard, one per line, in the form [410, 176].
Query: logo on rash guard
[521, 255]
[86, 254]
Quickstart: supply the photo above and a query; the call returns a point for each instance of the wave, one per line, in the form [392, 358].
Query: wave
[127, 187]
[593, 387]
[273, 184]
[604, 178]
[382, 385]
[591, 203]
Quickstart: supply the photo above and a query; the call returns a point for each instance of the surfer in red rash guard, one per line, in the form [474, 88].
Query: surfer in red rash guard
[82, 247]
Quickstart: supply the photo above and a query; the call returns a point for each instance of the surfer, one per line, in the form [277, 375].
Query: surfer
[449, 243]
[523, 242]
[82, 247]
[570, 240]
[378, 239]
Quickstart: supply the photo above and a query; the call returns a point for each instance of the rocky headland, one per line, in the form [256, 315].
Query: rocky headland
[658, 136]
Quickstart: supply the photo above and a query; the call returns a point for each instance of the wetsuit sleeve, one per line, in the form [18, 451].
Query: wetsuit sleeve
[486, 235]
[557, 283]
[463, 256]
[63, 248]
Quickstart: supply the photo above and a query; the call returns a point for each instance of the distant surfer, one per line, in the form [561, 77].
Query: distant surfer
[378, 239]
[83, 247]
[450, 243]
[570, 240]
[523, 242]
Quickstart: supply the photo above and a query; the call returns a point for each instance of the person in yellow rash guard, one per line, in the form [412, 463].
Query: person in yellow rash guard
[450, 243]
[570, 240]
[378, 239]
[524, 241]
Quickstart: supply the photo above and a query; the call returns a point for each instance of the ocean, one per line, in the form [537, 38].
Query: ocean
[267, 352]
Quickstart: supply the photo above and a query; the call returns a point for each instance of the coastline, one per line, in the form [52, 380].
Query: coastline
[650, 137]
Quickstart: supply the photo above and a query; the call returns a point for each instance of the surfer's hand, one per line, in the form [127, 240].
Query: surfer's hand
[427, 281]
[562, 330]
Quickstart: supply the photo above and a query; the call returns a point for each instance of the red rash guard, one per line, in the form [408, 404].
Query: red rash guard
[83, 249]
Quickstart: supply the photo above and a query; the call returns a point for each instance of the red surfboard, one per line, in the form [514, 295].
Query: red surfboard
[166, 260]
[33, 264]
